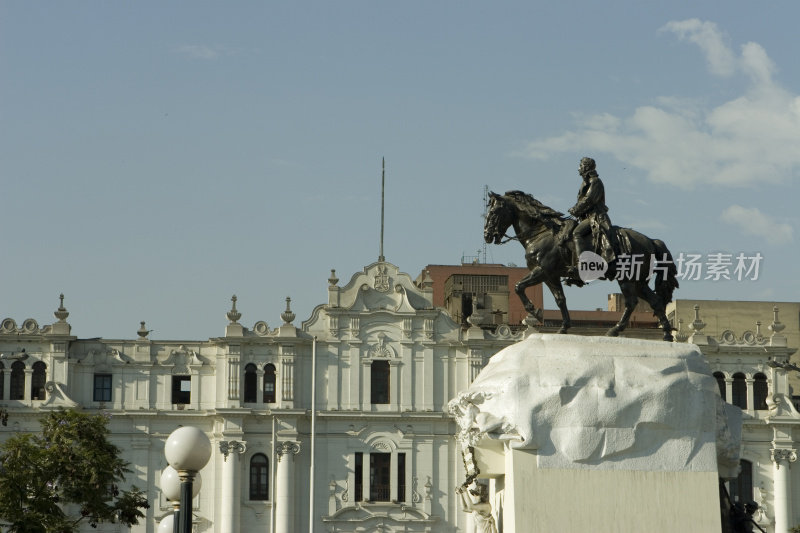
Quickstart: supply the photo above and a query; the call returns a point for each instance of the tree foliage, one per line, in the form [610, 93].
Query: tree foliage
[68, 475]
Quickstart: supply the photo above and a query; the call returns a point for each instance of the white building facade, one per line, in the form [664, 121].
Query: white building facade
[383, 361]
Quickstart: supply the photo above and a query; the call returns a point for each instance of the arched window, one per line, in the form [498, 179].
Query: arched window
[720, 377]
[269, 383]
[38, 380]
[17, 391]
[2, 381]
[739, 391]
[379, 388]
[760, 392]
[259, 477]
[250, 384]
[741, 488]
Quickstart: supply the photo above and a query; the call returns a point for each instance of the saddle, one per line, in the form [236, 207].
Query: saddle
[620, 245]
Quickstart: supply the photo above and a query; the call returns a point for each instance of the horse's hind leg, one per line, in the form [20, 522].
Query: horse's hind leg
[659, 309]
[533, 278]
[628, 289]
[554, 284]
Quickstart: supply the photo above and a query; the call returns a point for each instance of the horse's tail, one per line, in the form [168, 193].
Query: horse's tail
[666, 282]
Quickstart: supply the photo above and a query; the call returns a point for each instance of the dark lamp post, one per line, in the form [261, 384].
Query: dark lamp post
[187, 451]
[171, 488]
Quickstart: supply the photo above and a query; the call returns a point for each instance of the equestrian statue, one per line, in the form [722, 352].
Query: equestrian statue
[561, 247]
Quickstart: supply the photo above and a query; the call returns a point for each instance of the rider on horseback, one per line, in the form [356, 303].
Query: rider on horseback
[593, 233]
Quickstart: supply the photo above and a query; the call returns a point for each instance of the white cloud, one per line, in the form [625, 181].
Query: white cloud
[749, 140]
[751, 221]
[711, 41]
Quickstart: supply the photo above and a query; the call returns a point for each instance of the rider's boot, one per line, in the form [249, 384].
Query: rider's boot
[573, 274]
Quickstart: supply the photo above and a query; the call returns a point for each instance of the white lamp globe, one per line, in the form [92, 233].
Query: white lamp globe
[171, 484]
[167, 524]
[187, 448]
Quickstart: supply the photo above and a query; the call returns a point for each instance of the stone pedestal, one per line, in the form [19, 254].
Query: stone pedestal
[598, 434]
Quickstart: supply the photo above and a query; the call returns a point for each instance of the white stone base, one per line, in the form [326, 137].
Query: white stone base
[591, 434]
[614, 501]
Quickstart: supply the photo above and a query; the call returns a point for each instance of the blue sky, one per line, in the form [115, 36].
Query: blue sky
[157, 158]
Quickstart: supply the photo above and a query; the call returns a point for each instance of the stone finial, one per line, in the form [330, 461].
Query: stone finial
[776, 326]
[233, 315]
[287, 316]
[776, 339]
[476, 318]
[143, 332]
[697, 324]
[680, 335]
[61, 313]
[333, 280]
[427, 280]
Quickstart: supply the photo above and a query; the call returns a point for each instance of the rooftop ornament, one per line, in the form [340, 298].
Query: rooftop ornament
[233, 315]
[61, 313]
[288, 316]
[143, 332]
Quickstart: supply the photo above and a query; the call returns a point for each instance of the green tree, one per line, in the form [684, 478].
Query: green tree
[66, 476]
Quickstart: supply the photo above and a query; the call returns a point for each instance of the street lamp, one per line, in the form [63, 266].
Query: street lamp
[187, 451]
[168, 524]
[171, 488]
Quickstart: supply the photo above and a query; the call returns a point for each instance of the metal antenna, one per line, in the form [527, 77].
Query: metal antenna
[381, 258]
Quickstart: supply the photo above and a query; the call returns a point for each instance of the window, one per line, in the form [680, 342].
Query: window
[359, 476]
[182, 389]
[259, 477]
[401, 477]
[379, 388]
[269, 383]
[720, 377]
[250, 384]
[17, 391]
[379, 476]
[739, 391]
[741, 488]
[760, 392]
[2, 381]
[38, 380]
[102, 388]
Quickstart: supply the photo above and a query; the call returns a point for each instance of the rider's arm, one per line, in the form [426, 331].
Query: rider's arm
[590, 199]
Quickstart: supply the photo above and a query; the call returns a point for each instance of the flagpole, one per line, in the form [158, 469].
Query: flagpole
[381, 258]
[313, 432]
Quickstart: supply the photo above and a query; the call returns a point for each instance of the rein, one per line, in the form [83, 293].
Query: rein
[529, 234]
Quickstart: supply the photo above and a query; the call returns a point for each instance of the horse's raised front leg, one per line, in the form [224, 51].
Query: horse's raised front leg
[554, 284]
[533, 278]
[629, 293]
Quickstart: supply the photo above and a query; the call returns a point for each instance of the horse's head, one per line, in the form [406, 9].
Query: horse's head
[498, 219]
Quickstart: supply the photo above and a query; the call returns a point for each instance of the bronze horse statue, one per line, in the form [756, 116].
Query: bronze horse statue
[550, 252]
